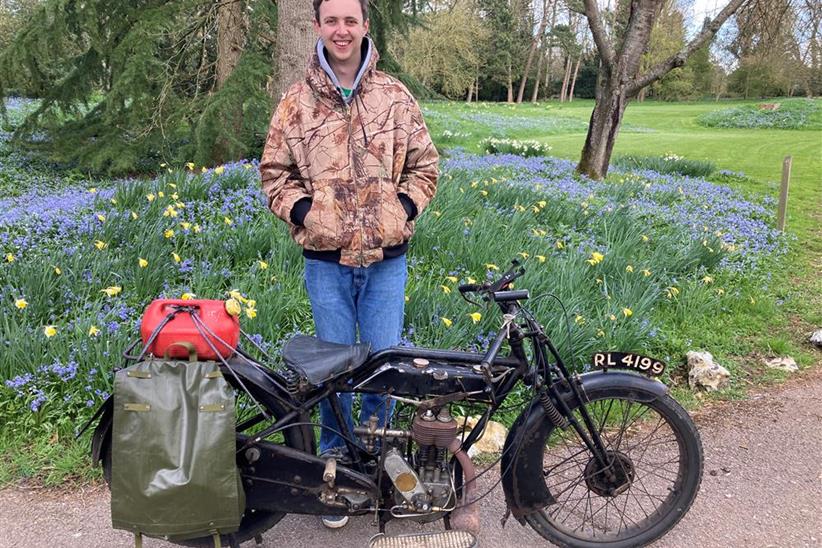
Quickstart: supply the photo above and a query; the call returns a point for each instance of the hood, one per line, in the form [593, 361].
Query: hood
[322, 79]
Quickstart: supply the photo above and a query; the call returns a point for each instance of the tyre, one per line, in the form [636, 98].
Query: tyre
[649, 481]
[254, 522]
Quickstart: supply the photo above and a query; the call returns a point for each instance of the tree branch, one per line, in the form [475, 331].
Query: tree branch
[678, 59]
[606, 51]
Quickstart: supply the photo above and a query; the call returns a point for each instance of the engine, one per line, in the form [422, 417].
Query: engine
[423, 484]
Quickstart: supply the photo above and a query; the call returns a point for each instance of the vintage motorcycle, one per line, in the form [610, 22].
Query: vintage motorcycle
[605, 458]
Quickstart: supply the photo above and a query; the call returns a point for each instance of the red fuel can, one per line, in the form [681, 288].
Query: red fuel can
[218, 326]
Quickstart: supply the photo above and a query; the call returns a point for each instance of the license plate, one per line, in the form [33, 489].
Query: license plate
[628, 360]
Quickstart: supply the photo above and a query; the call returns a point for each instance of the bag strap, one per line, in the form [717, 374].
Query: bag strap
[192, 352]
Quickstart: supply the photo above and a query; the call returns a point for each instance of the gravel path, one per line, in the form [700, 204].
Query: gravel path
[762, 488]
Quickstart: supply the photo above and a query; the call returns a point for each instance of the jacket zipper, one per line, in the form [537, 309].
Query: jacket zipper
[354, 177]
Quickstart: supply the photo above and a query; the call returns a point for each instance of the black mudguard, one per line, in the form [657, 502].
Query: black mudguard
[525, 490]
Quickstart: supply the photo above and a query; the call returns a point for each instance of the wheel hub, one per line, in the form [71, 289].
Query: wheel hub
[613, 479]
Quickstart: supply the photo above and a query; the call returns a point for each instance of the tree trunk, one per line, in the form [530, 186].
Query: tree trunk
[510, 84]
[231, 39]
[295, 42]
[540, 63]
[602, 132]
[564, 89]
[549, 69]
[641, 96]
[531, 50]
[574, 80]
[470, 92]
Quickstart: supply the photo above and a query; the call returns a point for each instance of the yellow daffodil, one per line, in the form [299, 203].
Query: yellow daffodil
[491, 266]
[234, 294]
[172, 185]
[645, 238]
[542, 203]
[134, 215]
[707, 280]
[228, 221]
[452, 279]
[176, 257]
[251, 312]
[101, 217]
[100, 244]
[446, 321]
[672, 292]
[474, 184]
[407, 298]
[559, 244]
[168, 233]
[629, 268]
[600, 333]
[188, 296]
[112, 291]
[612, 318]
[49, 331]
[150, 197]
[232, 306]
[190, 166]
[197, 229]
[21, 303]
[471, 280]
[219, 170]
[437, 213]
[445, 289]
[203, 169]
[753, 301]
[161, 194]
[627, 312]
[262, 264]
[93, 331]
[164, 164]
[535, 209]
[185, 225]
[142, 263]
[540, 258]
[646, 272]
[247, 166]
[57, 270]
[484, 192]
[599, 281]
[169, 211]
[720, 291]
[9, 258]
[596, 258]
[475, 316]
[519, 208]
[523, 254]
[175, 197]
[92, 190]
[579, 320]
[251, 303]
[113, 201]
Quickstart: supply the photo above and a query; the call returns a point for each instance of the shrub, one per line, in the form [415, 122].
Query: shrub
[668, 164]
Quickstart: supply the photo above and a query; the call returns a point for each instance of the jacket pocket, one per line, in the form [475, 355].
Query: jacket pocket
[393, 218]
[328, 224]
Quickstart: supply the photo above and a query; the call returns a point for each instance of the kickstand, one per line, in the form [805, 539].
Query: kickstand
[446, 521]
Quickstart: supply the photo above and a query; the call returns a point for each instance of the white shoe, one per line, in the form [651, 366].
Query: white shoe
[335, 522]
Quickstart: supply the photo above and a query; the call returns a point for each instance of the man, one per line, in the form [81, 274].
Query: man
[349, 164]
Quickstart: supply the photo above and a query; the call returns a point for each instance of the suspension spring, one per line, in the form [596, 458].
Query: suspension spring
[292, 380]
[551, 410]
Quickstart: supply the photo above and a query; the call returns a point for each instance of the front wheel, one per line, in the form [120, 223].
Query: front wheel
[650, 478]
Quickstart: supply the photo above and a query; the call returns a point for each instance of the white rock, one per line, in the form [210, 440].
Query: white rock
[704, 373]
[785, 364]
[491, 441]
[816, 338]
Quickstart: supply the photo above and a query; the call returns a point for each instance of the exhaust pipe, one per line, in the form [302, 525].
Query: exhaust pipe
[466, 516]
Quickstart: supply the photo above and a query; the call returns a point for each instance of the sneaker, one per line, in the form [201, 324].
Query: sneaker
[335, 522]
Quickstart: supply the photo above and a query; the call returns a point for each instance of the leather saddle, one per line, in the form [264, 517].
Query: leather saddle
[319, 361]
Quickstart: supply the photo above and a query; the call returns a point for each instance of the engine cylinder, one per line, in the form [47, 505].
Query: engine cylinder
[439, 432]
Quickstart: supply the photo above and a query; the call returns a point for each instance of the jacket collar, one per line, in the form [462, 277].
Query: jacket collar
[322, 79]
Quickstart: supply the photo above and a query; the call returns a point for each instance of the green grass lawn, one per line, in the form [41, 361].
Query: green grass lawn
[656, 128]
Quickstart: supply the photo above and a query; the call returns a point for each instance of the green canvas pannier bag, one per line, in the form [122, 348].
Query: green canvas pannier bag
[174, 473]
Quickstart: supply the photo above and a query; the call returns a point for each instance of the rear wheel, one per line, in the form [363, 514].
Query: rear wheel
[650, 477]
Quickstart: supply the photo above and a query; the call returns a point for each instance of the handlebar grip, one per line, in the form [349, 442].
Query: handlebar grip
[511, 295]
[469, 288]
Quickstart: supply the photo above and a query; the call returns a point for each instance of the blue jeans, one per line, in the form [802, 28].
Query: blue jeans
[345, 300]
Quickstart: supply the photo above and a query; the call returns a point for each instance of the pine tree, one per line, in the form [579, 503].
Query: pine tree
[124, 86]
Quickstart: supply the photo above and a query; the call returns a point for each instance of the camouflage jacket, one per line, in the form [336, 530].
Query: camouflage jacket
[355, 159]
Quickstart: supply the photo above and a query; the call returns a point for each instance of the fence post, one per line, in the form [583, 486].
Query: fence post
[783, 193]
